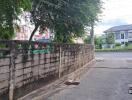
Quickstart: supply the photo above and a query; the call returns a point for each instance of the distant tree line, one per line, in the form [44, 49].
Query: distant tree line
[101, 40]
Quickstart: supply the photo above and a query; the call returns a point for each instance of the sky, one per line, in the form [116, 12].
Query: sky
[114, 13]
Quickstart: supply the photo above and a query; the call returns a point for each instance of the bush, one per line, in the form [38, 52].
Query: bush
[126, 44]
[117, 44]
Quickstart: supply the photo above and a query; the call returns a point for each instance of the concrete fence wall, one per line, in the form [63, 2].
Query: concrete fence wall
[26, 66]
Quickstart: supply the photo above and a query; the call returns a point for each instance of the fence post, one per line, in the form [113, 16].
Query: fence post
[12, 73]
[60, 64]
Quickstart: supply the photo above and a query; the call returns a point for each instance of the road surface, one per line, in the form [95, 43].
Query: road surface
[108, 79]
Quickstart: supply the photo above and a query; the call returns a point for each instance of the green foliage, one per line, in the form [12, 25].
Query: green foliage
[117, 48]
[126, 49]
[129, 46]
[126, 43]
[98, 42]
[117, 44]
[110, 38]
[9, 10]
[87, 40]
[2, 46]
[66, 17]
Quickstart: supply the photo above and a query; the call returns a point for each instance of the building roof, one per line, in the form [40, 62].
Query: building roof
[119, 28]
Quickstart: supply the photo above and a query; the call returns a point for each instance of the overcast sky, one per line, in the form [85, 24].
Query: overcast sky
[115, 12]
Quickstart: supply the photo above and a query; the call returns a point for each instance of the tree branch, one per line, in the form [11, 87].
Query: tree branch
[35, 29]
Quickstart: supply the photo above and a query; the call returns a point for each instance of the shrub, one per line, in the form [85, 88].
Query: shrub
[117, 44]
[126, 44]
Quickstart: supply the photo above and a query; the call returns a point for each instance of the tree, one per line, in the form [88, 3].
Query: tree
[67, 18]
[87, 40]
[110, 38]
[9, 10]
[98, 42]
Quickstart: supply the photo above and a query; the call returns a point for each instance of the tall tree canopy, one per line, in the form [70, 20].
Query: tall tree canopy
[66, 17]
[9, 10]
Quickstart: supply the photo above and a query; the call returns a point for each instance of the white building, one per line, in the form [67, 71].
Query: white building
[122, 33]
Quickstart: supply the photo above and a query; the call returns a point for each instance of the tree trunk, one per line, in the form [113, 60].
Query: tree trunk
[92, 34]
[92, 38]
[35, 29]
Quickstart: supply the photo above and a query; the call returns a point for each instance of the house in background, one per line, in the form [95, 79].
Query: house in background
[122, 33]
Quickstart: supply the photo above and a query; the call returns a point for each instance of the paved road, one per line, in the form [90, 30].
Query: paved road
[108, 79]
[116, 55]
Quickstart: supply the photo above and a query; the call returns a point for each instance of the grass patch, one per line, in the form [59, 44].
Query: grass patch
[116, 49]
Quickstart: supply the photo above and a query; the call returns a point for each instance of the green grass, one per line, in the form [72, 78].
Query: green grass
[116, 49]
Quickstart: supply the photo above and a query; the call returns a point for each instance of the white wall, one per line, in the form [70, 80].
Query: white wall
[121, 40]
